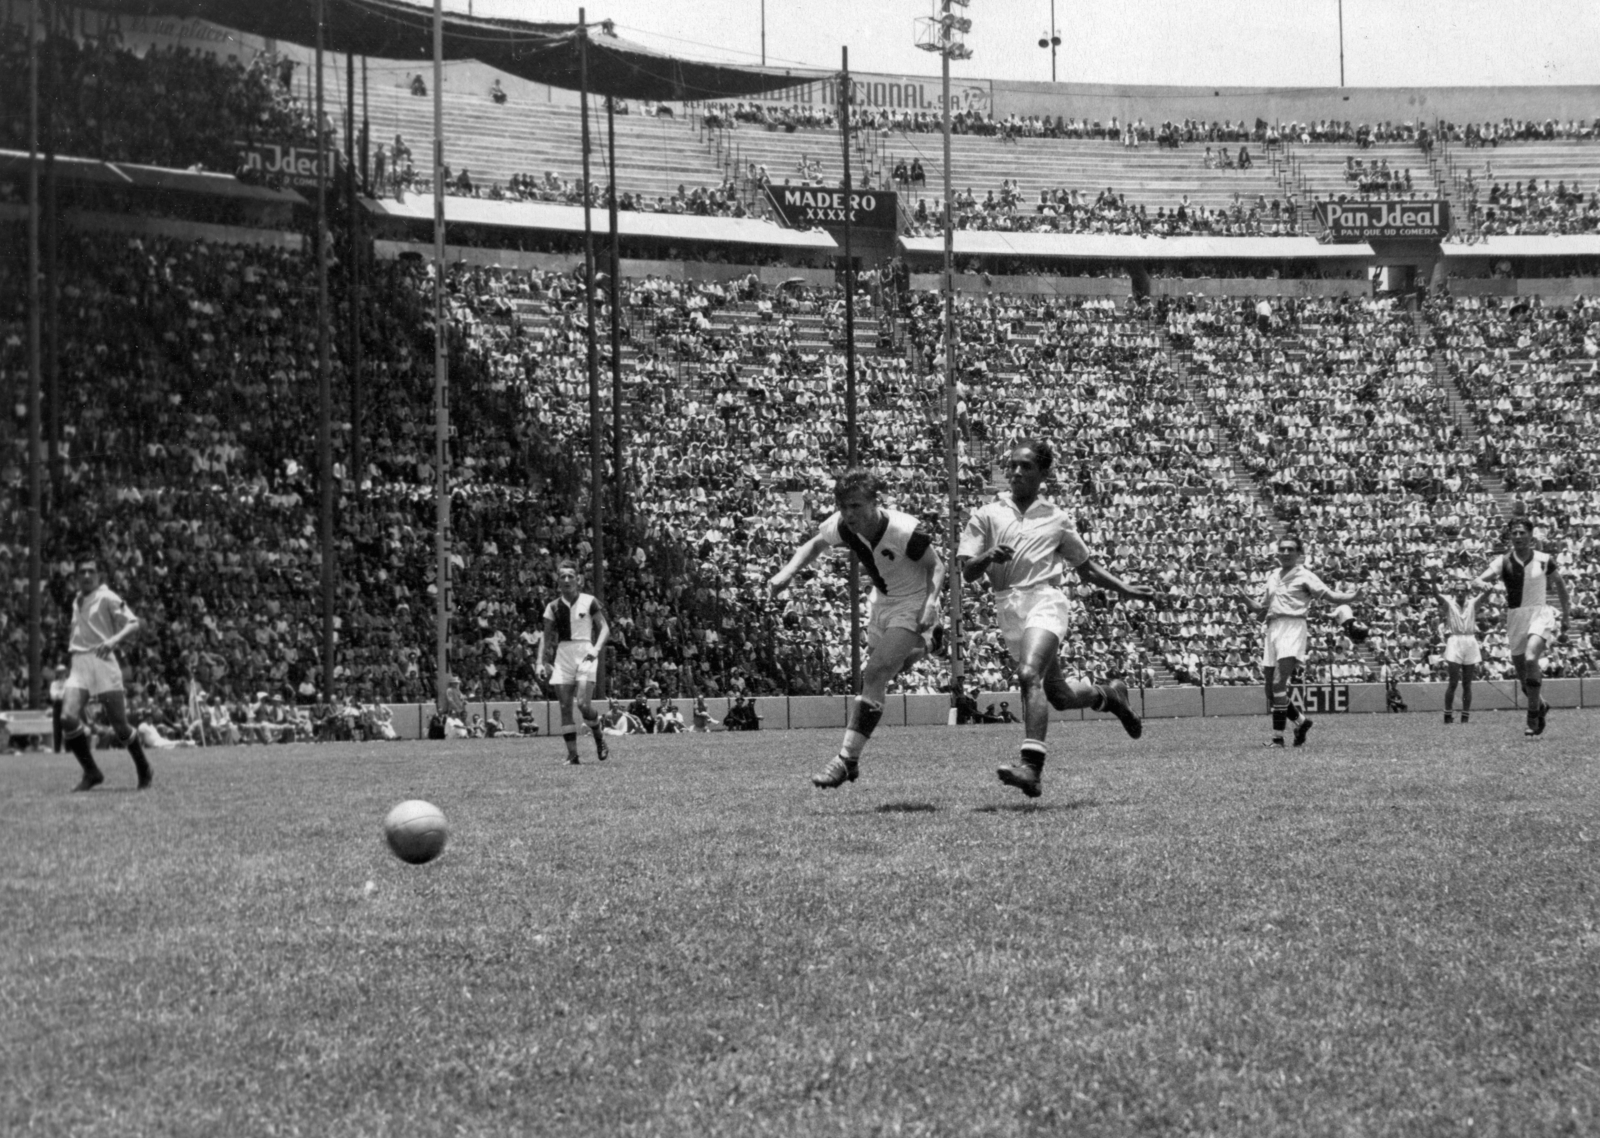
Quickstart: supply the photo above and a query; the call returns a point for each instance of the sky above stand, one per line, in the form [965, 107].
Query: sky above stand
[1248, 43]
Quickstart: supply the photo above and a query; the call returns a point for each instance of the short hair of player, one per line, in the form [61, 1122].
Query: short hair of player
[1042, 451]
[855, 481]
[1299, 546]
[1521, 521]
[566, 563]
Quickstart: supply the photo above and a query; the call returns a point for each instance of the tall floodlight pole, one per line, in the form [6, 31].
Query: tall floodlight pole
[35, 379]
[1341, 43]
[846, 106]
[943, 34]
[324, 378]
[441, 382]
[597, 572]
[616, 314]
[1052, 40]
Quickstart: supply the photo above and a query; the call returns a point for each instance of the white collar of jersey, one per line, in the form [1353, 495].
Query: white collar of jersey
[1040, 502]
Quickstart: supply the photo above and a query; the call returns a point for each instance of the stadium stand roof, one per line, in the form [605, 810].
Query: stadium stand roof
[1118, 247]
[14, 163]
[540, 52]
[1530, 245]
[630, 223]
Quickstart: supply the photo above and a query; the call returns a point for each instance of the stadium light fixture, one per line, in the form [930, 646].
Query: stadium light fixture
[1052, 40]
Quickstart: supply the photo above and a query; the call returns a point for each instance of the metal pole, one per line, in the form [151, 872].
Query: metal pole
[1054, 37]
[441, 381]
[845, 105]
[353, 269]
[1341, 43]
[324, 378]
[52, 278]
[35, 474]
[616, 315]
[763, 33]
[951, 441]
[597, 575]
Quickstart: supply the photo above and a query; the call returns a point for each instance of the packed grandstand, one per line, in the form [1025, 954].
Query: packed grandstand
[1197, 414]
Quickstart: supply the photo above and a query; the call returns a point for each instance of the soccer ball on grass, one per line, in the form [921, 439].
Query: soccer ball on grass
[416, 831]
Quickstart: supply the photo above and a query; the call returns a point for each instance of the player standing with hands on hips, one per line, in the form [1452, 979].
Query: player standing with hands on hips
[1285, 600]
[1024, 544]
[101, 621]
[907, 574]
[575, 628]
[1529, 575]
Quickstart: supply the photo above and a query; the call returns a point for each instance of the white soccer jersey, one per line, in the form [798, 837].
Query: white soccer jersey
[1524, 580]
[895, 561]
[96, 618]
[1291, 593]
[1460, 620]
[1044, 542]
[573, 621]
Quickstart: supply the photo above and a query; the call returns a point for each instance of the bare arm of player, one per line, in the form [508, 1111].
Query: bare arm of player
[1559, 583]
[803, 556]
[1096, 574]
[598, 618]
[1251, 605]
[547, 647]
[129, 627]
[935, 567]
[1336, 597]
[974, 567]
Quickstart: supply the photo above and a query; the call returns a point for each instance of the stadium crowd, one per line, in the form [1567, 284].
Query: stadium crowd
[188, 462]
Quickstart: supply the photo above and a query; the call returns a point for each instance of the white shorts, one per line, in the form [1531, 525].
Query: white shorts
[570, 666]
[893, 612]
[1462, 649]
[1285, 638]
[1536, 620]
[96, 676]
[1043, 606]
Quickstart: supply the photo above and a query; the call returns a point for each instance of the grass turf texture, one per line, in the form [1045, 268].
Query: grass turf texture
[1389, 932]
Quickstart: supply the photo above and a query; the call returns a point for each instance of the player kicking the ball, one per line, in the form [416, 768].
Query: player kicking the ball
[1024, 543]
[575, 626]
[906, 572]
[101, 621]
[1532, 623]
[1285, 600]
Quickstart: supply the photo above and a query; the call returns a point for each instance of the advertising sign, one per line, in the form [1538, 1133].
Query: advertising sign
[1324, 699]
[895, 92]
[270, 163]
[824, 207]
[1370, 218]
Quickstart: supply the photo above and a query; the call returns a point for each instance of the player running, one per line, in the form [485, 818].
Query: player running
[907, 574]
[1529, 575]
[1285, 601]
[1459, 612]
[575, 631]
[101, 621]
[1024, 544]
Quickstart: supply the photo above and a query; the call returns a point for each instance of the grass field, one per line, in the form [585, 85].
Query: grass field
[1390, 932]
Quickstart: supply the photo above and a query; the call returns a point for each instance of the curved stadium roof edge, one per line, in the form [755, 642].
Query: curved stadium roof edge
[539, 52]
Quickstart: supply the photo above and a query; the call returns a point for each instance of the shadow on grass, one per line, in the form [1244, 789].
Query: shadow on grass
[1036, 807]
[907, 808]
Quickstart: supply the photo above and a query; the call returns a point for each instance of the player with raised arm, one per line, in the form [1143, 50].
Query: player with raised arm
[907, 574]
[101, 620]
[1024, 544]
[1529, 575]
[575, 632]
[1284, 603]
[1459, 624]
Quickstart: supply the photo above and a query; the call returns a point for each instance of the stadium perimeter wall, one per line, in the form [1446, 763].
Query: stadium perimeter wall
[779, 713]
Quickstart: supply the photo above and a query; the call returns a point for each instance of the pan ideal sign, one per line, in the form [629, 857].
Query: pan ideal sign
[813, 207]
[1381, 218]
